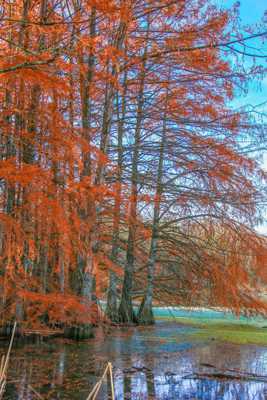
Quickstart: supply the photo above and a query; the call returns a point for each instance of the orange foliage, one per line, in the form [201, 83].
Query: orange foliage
[61, 79]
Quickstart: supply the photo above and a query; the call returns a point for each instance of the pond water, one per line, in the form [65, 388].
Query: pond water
[207, 314]
[149, 363]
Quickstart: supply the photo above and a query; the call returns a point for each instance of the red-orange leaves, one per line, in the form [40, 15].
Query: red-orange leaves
[24, 174]
[120, 154]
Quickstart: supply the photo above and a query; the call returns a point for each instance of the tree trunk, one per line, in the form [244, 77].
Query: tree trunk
[145, 313]
[109, 105]
[112, 307]
[85, 330]
[85, 263]
[126, 312]
[104, 141]
[86, 90]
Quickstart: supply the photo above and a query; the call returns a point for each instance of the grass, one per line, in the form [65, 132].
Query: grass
[238, 332]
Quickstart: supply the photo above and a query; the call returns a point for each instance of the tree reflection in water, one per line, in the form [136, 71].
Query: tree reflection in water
[148, 364]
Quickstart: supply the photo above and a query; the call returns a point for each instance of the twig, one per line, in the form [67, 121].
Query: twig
[35, 392]
[235, 371]
[4, 363]
[111, 381]
[9, 348]
[221, 375]
[94, 392]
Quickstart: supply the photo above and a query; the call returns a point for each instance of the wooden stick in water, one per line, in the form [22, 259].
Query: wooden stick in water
[100, 382]
[4, 363]
[9, 348]
[111, 381]
[94, 392]
[35, 392]
[96, 388]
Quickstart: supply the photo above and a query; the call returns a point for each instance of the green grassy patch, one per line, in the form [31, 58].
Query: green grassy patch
[235, 331]
[234, 334]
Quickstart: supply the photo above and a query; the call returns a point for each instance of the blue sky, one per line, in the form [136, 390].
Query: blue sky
[253, 12]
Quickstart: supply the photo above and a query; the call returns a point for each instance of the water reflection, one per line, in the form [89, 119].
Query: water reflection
[208, 390]
[155, 363]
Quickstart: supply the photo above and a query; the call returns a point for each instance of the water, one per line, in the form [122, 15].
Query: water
[149, 363]
[207, 314]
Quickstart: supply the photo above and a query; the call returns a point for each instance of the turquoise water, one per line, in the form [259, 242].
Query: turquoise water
[205, 314]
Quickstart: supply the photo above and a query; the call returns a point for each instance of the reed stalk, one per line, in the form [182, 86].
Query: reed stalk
[94, 392]
[5, 361]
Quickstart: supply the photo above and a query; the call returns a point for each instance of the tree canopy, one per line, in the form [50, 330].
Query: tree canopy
[125, 173]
